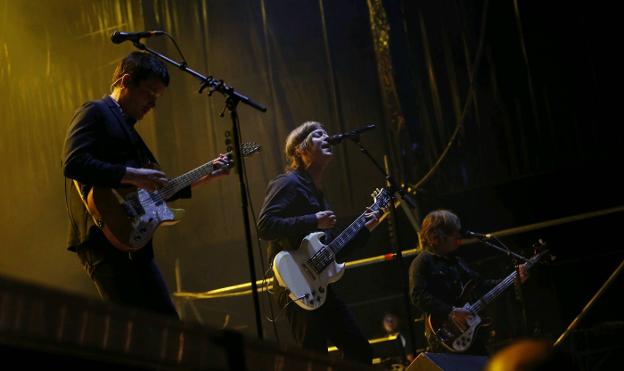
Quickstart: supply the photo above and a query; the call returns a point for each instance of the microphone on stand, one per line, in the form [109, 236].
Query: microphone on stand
[337, 138]
[119, 37]
[480, 236]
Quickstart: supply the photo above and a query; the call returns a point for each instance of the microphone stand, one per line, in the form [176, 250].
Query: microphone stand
[399, 193]
[232, 98]
[485, 239]
[517, 285]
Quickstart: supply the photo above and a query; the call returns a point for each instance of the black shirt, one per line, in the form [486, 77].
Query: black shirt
[436, 282]
[99, 145]
[289, 212]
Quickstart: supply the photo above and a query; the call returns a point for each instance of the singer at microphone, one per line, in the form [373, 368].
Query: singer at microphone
[337, 138]
[119, 37]
[294, 206]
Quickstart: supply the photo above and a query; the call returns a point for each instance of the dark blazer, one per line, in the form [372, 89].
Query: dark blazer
[99, 145]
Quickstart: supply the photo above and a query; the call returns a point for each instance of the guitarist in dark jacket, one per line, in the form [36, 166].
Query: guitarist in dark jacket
[437, 277]
[102, 148]
[295, 206]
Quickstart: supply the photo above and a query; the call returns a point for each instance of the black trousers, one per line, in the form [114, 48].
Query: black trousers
[127, 279]
[332, 321]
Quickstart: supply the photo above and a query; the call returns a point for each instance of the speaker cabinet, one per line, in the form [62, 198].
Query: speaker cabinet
[447, 362]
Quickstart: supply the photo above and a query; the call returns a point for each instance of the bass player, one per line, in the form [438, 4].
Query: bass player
[437, 277]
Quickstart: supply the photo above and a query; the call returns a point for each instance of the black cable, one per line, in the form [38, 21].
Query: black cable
[281, 312]
[183, 64]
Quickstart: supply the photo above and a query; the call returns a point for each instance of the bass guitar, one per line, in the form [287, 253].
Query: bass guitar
[449, 335]
[129, 216]
[307, 271]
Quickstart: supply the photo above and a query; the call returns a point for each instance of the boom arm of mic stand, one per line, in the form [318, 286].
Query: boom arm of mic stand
[503, 249]
[212, 83]
[393, 187]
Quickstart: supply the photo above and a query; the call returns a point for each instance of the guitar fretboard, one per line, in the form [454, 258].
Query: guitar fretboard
[184, 180]
[326, 255]
[502, 286]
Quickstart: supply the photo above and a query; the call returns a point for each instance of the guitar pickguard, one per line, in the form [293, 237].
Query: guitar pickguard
[307, 286]
[307, 271]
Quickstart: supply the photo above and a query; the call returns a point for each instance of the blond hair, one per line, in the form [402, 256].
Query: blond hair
[299, 138]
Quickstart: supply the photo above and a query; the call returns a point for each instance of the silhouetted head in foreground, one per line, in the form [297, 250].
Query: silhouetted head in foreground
[531, 355]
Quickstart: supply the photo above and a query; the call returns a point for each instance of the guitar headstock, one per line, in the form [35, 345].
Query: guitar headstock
[249, 148]
[381, 198]
[540, 250]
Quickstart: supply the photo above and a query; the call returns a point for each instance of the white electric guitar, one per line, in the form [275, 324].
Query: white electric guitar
[307, 271]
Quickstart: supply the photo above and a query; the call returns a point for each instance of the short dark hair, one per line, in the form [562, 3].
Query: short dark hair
[437, 225]
[141, 66]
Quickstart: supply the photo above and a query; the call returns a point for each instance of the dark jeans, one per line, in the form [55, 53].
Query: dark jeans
[332, 321]
[126, 279]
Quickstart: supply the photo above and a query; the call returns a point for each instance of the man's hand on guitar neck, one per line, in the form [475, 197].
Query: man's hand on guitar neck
[148, 179]
[523, 273]
[326, 219]
[221, 167]
[372, 219]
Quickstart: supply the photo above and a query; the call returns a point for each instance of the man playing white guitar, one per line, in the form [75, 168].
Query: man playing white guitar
[294, 207]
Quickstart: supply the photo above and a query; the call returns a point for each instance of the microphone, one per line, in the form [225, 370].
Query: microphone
[337, 138]
[476, 235]
[119, 37]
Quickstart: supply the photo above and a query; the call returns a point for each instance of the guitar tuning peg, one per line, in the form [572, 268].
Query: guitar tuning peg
[553, 258]
[227, 140]
[540, 244]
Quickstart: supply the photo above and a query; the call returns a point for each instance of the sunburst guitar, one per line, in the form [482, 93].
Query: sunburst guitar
[129, 216]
